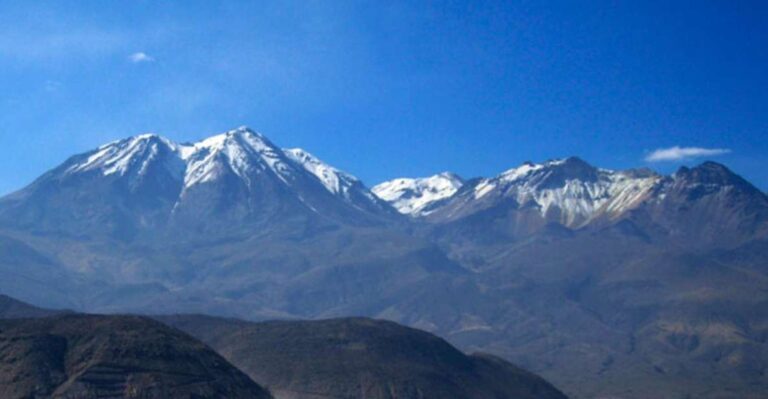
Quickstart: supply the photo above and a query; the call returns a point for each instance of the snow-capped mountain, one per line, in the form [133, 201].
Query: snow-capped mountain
[568, 191]
[574, 194]
[148, 181]
[418, 196]
[240, 151]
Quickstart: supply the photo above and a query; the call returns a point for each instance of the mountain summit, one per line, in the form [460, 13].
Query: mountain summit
[419, 196]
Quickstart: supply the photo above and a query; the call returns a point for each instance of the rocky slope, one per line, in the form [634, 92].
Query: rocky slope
[77, 356]
[360, 358]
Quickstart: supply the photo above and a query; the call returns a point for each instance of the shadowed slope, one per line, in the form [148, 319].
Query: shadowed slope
[79, 356]
[358, 357]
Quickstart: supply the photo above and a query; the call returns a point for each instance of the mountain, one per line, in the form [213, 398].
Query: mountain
[417, 197]
[145, 222]
[79, 356]
[147, 185]
[13, 309]
[628, 267]
[706, 206]
[357, 357]
[627, 284]
[571, 193]
[623, 271]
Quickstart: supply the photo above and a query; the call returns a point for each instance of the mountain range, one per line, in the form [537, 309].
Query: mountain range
[625, 284]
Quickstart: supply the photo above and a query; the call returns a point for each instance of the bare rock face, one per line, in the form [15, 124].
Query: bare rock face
[77, 356]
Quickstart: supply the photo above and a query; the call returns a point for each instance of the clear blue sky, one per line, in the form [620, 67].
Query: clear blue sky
[389, 89]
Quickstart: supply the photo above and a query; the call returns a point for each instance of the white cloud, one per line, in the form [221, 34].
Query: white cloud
[677, 153]
[140, 57]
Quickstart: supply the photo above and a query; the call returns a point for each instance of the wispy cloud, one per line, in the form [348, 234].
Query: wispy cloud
[677, 153]
[140, 57]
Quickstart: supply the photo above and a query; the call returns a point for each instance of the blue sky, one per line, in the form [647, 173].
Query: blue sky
[391, 89]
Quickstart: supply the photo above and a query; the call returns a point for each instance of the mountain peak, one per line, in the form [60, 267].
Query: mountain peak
[562, 168]
[239, 136]
[244, 131]
[139, 138]
[708, 172]
[572, 163]
[418, 196]
[239, 150]
[714, 167]
[571, 168]
[560, 162]
[709, 177]
[121, 157]
[450, 176]
[574, 160]
[243, 128]
[147, 136]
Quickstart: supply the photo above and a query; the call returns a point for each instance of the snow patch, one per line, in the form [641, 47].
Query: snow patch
[415, 196]
[334, 180]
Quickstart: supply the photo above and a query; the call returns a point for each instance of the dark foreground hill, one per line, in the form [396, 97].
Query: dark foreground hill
[359, 358]
[79, 356]
[85, 356]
